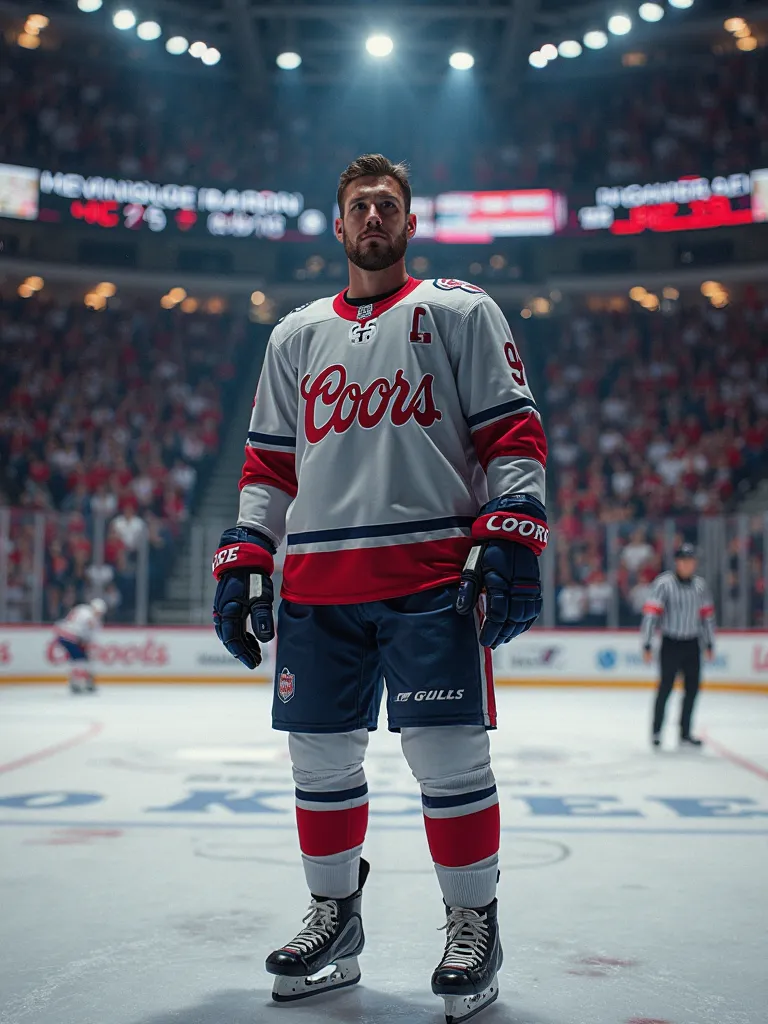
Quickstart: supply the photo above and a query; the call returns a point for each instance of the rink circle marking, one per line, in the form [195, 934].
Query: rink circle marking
[548, 853]
[57, 748]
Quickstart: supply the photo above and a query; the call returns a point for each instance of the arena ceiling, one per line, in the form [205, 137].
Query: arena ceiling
[330, 34]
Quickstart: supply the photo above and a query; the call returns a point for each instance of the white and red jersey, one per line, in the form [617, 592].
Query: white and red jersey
[378, 432]
[79, 625]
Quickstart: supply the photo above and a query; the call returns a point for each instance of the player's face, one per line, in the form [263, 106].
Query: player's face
[685, 567]
[374, 227]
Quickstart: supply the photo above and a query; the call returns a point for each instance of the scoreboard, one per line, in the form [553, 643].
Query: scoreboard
[122, 204]
[56, 197]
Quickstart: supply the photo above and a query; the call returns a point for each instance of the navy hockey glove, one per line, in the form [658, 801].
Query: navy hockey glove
[513, 532]
[243, 565]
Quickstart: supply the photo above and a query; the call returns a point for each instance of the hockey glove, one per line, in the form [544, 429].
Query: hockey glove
[243, 565]
[513, 533]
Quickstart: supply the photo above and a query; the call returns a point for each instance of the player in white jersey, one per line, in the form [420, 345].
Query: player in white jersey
[74, 634]
[396, 445]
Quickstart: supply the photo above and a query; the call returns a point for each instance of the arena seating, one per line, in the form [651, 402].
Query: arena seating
[107, 417]
[651, 417]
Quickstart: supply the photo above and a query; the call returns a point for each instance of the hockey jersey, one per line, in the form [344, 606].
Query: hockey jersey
[378, 431]
[79, 625]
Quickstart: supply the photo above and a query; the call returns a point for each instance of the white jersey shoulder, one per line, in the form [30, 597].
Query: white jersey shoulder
[80, 623]
[309, 313]
[449, 292]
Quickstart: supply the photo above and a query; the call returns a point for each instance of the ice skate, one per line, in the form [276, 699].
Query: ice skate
[691, 741]
[323, 956]
[466, 977]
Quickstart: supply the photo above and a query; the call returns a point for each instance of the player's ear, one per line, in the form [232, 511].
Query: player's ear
[411, 225]
[338, 228]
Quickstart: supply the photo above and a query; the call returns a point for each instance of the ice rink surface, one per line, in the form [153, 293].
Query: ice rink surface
[148, 863]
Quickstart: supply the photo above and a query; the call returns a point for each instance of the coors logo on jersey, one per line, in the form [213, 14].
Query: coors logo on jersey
[351, 402]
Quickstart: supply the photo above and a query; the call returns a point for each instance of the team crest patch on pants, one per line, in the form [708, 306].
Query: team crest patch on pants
[286, 686]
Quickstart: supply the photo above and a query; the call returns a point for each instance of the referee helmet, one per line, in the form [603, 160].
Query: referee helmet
[686, 551]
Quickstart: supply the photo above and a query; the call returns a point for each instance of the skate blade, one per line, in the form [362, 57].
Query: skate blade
[461, 1008]
[341, 974]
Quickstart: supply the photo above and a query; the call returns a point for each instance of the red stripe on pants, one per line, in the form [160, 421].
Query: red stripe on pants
[322, 833]
[458, 842]
[489, 683]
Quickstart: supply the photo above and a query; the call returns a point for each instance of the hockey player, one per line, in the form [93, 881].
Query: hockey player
[394, 439]
[74, 633]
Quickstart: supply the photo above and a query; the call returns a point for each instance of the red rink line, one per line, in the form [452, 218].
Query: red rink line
[734, 758]
[40, 755]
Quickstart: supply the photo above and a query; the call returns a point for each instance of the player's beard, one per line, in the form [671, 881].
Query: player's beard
[378, 257]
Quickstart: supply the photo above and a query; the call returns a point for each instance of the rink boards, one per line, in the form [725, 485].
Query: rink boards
[192, 654]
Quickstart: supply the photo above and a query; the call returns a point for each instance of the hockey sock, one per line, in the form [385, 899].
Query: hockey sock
[331, 808]
[77, 676]
[461, 809]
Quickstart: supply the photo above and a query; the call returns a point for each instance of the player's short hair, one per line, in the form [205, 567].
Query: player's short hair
[374, 165]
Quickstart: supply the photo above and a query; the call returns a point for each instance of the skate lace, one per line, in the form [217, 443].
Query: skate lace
[467, 938]
[320, 922]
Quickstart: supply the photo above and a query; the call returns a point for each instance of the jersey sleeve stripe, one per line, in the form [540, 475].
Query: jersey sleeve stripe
[515, 437]
[275, 469]
[270, 440]
[516, 406]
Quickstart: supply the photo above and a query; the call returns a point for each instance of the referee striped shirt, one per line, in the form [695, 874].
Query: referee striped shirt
[683, 609]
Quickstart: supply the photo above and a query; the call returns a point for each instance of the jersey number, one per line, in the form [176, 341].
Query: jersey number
[417, 336]
[515, 363]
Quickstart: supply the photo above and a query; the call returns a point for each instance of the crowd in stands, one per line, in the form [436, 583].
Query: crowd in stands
[649, 125]
[107, 420]
[652, 417]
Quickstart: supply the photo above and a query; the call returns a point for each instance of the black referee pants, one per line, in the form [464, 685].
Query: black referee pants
[678, 656]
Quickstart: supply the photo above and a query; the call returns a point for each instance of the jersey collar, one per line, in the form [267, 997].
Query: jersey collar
[347, 311]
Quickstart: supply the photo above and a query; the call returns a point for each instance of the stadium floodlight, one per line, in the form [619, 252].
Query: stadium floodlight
[619, 24]
[682, 4]
[89, 6]
[548, 51]
[211, 56]
[461, 61]
[123, 19]
[197, 49]
[651, 12]
[148, 30]
[177, 45]
[537, 59]
[747, 43]
[379, 45]
[569, 48]
[288, 61]
[734, 24]
[595, 40]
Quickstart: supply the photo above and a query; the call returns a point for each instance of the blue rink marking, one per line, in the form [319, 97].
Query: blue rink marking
[291, 827]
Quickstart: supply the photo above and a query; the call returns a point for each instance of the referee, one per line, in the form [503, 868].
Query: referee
[681, 603]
